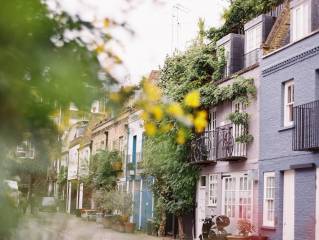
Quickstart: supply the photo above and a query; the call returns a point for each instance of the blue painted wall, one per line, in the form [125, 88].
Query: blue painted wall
[300, 62]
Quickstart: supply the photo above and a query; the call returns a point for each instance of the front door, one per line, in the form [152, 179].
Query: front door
[201, 205]
[289, 205]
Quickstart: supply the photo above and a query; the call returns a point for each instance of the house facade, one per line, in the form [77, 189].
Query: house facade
[289, 123]
[137, 184]
[228, 183]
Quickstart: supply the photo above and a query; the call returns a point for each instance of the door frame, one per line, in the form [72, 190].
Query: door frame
[288, 212]
[201, 189]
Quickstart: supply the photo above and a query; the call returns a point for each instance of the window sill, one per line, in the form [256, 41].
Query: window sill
[286, 128]
[268, 228]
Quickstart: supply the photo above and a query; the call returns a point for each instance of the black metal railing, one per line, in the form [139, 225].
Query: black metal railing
[306, 130]
[219, 145]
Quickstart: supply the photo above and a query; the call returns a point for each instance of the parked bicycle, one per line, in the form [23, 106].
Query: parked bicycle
[214, 228]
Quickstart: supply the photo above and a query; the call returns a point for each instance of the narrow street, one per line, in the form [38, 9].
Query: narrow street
[64, 227]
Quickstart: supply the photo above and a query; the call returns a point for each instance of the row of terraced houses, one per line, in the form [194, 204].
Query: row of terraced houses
[271, 181]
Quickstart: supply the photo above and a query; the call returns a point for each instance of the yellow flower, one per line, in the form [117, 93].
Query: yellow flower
[100, 48]
[202, 114]
[150, 129]
[200, 121]
[175, 110]
[115, 97]
[165, 128]
[181, 136]
[144, 116]
[117, 60]
[106, 22]
[192, 99]
[153, 93]
[157, 112]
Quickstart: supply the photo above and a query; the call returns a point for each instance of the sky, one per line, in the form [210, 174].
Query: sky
[158, 28]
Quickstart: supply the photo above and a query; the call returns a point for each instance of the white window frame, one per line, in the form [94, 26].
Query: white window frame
[232, 194]
[212, 189]
[289, 100]
[200, 181]
[227, 47]
[300, 25]
[269, 196]
[253, 39]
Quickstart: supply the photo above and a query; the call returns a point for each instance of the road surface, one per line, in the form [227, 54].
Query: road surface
[65, 227]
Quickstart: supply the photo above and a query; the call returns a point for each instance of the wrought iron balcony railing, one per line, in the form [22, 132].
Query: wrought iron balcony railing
[306, 127]
[219, 145]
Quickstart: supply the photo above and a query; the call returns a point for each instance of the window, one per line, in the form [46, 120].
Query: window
[203, 181]
[253, 39]
[212, 120]
[269, 200]
[289, 103]
[226, 48]
[237, 196]
[213, 184]
[300, 20]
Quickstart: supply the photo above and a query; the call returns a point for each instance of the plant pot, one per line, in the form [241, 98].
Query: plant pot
[114, 226]
[121, 228]
[107, 222]
[129, 227]
[236, 237]
[258, 238]
[117, 166]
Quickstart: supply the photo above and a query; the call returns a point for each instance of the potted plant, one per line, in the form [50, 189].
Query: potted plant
[131, 168]
[108, 207]
[245, 228]
[123, 205]
[260, 237]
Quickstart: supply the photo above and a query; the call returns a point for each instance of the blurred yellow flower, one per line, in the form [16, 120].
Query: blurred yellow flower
[144, 116]
[115, 97]
[181, 136]
[117, 60]
[192, 99]
[100, 48]
[106, 22]
[150, 129]
[157, 112]
[165, 128]
[153, 93]
[200, 121]
[202, 114]
[175, 110]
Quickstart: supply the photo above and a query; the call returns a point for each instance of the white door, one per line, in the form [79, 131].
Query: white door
[201, 204]
[289, 205]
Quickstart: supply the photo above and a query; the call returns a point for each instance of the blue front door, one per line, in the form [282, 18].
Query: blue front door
[134, 149]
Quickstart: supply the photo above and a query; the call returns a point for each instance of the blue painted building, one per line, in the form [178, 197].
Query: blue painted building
[137, 184]
[289, 126]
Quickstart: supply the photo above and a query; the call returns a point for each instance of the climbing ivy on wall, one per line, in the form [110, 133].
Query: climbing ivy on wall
[240, 12]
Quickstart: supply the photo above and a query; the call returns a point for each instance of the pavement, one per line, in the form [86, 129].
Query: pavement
[57, 226]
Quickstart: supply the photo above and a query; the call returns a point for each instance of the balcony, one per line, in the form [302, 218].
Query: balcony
[306, 131]
[219, 145]
[134, 167]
